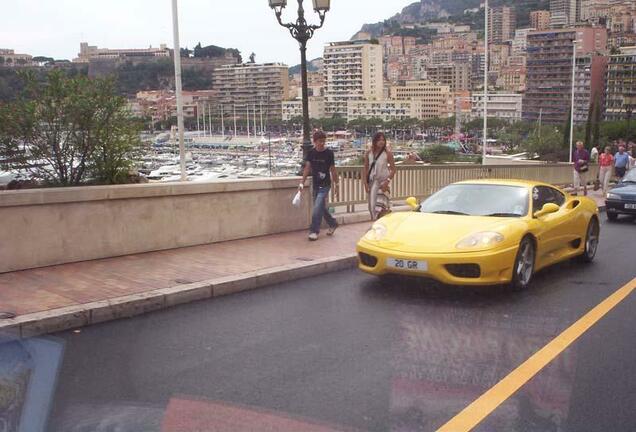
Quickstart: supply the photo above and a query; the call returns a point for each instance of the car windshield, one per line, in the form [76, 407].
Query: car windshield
[630, 177]
[479, 200]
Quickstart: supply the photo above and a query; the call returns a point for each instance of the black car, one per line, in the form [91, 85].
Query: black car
[622, 198]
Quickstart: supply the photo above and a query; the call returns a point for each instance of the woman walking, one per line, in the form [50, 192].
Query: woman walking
[379, 170]
[606, 164]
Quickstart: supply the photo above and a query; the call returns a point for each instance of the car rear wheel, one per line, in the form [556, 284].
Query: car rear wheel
[611, 216]
[524, 265]
[591, 241]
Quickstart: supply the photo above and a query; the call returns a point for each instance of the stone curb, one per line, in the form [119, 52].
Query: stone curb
[72, 317]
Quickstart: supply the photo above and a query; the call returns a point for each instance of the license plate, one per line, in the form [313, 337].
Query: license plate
[404, 264]
[630, 206]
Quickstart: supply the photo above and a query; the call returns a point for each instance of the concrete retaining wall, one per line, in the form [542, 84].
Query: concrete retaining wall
[55, 226]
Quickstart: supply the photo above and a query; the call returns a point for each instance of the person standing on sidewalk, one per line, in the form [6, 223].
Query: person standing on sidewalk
[621, 162]
[581, 159]
[320, 163]
[606, 164]
[379, 170]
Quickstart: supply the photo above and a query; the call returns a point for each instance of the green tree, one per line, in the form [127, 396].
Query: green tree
[546, 142]
[437, 153]
[566, 131]
[69, 129]
[589, 125]
[43, 59]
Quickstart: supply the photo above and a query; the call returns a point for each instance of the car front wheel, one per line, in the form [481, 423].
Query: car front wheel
[524, 265]
[591, 241]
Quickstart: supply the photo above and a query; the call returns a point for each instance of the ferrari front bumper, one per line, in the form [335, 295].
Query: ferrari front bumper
[494, 266]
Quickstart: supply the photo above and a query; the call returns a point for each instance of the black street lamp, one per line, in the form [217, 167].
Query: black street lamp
[302, 32]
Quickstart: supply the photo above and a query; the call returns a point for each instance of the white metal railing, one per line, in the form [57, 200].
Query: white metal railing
[422, 181]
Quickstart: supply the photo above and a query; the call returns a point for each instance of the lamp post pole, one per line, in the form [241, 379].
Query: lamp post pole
[302, 32]
[485, 143]
[177, 74]
[572, 101]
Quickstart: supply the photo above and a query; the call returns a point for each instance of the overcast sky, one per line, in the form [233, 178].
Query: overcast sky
[55, 28]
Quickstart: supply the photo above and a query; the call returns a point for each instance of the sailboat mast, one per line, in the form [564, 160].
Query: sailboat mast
[222, 123]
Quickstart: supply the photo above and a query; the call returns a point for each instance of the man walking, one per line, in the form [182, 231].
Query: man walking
[621, 162]
[320, 163]
[581, 159]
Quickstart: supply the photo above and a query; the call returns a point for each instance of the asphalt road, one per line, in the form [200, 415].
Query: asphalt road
[347, 352]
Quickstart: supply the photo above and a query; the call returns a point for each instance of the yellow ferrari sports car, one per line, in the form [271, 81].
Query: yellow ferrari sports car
[483, 232]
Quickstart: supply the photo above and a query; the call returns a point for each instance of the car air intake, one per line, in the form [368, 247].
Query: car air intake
[464, 270]
[368, 260]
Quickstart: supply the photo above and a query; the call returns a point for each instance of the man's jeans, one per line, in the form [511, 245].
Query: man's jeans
[320, 210]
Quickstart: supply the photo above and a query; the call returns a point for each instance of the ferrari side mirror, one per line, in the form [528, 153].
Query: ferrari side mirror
[412, 202]
[547, 209]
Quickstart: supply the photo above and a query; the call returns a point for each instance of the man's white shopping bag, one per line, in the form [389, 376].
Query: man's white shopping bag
[296, 200]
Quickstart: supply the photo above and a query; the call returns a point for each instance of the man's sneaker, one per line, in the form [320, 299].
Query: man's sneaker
[332, 230]
[313, 236]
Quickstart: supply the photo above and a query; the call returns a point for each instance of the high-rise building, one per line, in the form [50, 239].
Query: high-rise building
[540, 20]
[564, 13]
[353, 71]
[549, 71]
[252, 86]
[620, 97]
[502, 22]
[434, 98]
[589, 84]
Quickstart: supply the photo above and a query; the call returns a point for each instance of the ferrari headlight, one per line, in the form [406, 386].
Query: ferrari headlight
[377, 232]
[480, 240]
[613, 196]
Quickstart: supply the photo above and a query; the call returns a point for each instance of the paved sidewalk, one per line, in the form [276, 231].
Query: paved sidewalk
[47, 288]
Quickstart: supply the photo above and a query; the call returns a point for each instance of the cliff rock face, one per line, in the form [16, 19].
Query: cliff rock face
[422, 11]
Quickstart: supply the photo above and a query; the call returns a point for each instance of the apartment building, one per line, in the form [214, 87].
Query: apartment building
[435, 98]
[540, 19]
[589, 84]
[564, 13]
[512, 79]
[504, 106]
[161, 105]
[353, 71]
[620, 96]
[519, 43]
[397, 45]
[502, 22]
[386, 110]
[549, 70]
[251, 84]
[455, 75]
[294, 108]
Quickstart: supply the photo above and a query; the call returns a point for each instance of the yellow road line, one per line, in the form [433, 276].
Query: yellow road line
[489, 401]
